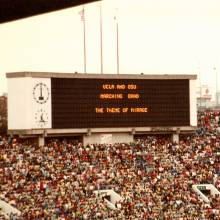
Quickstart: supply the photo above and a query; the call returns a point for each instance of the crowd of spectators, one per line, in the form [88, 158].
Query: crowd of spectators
[153, 175]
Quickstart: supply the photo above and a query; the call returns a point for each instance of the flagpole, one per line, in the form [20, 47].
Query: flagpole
[117, 44]
[117, 47]
[101, 52]
[84, 38]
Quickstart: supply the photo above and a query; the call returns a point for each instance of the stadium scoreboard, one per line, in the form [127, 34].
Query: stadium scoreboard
[67, 103]
[112, 103]
[100, 108]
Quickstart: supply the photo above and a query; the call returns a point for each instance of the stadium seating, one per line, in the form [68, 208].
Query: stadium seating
[153, 176]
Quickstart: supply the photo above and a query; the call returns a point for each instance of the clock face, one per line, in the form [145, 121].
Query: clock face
[41, 118]
[41, 93]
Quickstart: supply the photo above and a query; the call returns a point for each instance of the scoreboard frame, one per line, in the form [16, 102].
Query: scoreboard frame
[25, 119]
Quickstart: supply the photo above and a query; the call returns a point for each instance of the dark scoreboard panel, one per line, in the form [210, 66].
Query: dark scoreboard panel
[106, 103]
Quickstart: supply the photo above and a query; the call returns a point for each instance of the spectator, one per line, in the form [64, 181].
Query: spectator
[153, 176]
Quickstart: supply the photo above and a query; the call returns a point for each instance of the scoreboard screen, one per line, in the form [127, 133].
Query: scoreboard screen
[112, 103]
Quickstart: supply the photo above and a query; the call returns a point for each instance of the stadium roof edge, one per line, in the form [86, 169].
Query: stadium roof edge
[98, 76]
[11, 10]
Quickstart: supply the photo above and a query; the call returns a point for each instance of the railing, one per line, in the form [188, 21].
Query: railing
[7, 209]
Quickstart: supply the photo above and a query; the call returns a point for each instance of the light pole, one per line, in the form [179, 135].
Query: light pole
[216, 86]
[200, 87]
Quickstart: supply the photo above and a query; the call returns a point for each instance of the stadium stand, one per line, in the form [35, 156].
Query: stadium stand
[153, 176]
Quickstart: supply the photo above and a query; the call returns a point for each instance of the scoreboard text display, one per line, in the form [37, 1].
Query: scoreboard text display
[108, 103]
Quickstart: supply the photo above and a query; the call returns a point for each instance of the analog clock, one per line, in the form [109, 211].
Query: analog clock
[41, 93]
[41, 118]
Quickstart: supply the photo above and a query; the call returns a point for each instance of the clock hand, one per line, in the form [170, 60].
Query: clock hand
[41, 93]
[41, 118]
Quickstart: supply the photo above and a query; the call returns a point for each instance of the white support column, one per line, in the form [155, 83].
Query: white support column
[175, 138]
[193, 105]
[41, 141]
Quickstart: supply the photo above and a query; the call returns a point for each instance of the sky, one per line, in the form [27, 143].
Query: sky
[154, 37]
